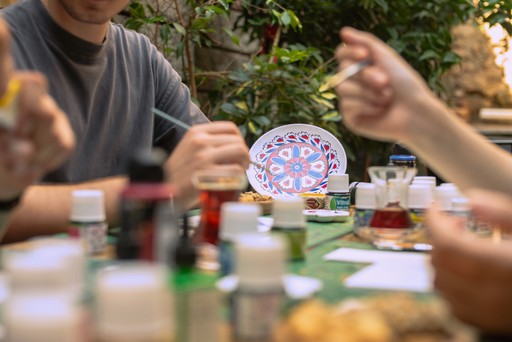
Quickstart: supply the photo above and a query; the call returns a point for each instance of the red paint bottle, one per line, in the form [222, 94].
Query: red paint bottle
[148, 221]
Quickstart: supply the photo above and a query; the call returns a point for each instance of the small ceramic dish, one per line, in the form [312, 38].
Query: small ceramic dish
[323, 215]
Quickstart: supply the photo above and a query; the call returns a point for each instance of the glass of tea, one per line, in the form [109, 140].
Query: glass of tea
[216, 187]
[391, 223]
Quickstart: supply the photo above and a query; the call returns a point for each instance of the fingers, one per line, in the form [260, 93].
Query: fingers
[492, 207]
[42, 124]
[370, 87]
[6, 64]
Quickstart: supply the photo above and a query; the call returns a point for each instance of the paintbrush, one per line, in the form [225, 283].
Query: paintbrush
[345, 74]
[186, 126]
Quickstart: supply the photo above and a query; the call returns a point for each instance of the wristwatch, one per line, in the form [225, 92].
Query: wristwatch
[8, 205]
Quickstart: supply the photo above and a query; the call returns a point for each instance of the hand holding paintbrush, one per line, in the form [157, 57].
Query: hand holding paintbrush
[216, 145]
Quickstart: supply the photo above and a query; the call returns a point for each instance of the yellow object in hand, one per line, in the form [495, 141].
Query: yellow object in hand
[9, 104]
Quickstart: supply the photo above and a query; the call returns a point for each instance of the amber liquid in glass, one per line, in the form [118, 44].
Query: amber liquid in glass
[211, 201]
[391, 217]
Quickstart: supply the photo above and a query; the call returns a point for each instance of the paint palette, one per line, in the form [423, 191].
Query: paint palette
[297, 158]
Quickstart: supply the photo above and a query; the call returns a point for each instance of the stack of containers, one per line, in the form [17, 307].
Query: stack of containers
[46, 286]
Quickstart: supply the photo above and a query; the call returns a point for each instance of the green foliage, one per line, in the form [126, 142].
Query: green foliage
[283, 85]
[279, 89]
[496, 12]
[193, 28]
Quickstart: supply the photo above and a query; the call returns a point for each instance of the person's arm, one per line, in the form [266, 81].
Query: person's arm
[456, 152]
[474, 275]
[45, 209]
[390, 101]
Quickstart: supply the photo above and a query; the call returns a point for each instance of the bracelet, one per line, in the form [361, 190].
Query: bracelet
[10, 204]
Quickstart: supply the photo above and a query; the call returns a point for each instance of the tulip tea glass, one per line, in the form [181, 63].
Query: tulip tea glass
[216, 187]
[391, 223]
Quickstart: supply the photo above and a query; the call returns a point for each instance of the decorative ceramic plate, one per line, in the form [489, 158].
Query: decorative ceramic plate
[295, 159]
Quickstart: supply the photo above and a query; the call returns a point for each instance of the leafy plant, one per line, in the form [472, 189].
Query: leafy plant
[298, 38]
[191, 26]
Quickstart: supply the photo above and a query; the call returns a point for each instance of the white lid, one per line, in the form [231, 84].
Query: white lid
[288, 212]
[337, 183]
[443, 196]
[87, 206]
[237, 218]
[260, 260]
[43, 318]
[424, 182]
[460, 204]
[365, 196]
[420, 196]
[41, 272]
[430, 179]
[132, 300]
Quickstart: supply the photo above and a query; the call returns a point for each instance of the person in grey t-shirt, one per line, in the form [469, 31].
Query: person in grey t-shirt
[107, 79]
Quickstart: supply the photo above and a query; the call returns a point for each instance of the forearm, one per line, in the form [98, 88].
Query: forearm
[459, 154]
[45, 209]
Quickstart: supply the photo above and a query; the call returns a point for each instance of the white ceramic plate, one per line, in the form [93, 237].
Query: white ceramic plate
[297, 158]
[322, 215]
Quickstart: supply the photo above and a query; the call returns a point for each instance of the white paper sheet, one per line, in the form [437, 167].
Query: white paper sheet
[388, 270]
[372, 256]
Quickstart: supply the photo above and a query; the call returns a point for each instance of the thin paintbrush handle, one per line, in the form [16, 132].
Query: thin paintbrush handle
[187, 126]
[170, 118]
[345, 74]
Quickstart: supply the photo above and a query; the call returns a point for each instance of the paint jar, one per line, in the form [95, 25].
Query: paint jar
[290, 223]
[402, 157]
[133, 303]
[258, 301]
[87, 220]
[235, 219]
[364, 209]
[338, 194]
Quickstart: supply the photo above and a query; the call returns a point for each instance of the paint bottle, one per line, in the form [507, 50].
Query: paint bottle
[147, 210]
[87, 220]
[235, 218]
[338, 194]
[197, 300]
[419, 199]
[461, 209]
[259, 299]
[132, 303]
[290, 223]
[443, 195]
[364, 209]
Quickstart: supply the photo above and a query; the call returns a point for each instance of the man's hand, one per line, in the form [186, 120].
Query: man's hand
[217, 145]
[41, 138]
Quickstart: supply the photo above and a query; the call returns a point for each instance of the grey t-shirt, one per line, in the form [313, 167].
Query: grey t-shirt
[106, 90]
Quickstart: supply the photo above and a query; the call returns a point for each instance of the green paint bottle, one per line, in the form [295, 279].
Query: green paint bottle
[338, 194]
[290, 223]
